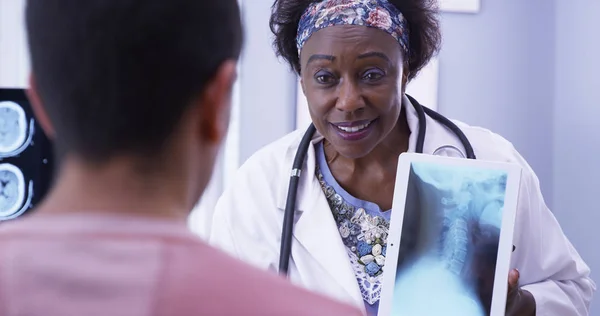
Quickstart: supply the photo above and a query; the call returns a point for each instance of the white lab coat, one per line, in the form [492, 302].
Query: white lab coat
[248, 219]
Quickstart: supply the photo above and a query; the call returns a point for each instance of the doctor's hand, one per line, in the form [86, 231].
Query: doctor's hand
[518, 302]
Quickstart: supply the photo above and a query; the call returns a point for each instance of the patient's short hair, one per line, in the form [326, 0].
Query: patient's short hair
[115, 76]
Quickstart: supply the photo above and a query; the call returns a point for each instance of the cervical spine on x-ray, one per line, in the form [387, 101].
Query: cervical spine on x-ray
[14, 134]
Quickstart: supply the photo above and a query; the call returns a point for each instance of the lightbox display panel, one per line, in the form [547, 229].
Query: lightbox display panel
[26, 158]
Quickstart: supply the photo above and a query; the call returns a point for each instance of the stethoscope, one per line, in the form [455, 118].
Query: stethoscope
[288, 217]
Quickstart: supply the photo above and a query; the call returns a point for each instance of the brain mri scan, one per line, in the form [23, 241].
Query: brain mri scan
[13, 129]
[25, 156]
[12, 191]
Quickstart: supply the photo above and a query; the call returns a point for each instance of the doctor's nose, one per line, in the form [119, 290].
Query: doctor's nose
[349, 97]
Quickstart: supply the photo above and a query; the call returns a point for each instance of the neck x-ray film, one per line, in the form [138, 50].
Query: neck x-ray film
[450, 238]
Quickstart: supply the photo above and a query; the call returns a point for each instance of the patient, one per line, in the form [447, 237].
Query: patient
[136, 96]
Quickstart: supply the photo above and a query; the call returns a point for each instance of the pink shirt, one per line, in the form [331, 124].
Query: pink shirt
[74, 265]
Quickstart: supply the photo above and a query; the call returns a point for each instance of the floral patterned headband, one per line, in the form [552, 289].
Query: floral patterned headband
[372, 13]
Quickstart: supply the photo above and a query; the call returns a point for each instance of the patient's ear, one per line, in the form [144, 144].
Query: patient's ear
[215, 103]
[38, 108]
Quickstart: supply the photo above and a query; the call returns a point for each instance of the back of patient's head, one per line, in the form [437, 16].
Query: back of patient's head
[115, 77]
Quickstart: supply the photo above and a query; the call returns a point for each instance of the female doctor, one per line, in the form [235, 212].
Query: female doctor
[355, 58]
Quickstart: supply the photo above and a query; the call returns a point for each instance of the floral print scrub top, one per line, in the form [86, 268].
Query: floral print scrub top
[363, 227]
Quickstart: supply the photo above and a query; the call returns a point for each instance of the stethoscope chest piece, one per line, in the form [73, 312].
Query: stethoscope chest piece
[449, 151]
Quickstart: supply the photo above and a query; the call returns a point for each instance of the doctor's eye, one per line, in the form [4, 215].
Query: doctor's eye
[324, 77]
[373, 75]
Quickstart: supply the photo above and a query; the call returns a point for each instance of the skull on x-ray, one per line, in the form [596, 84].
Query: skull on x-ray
[15, 132]
[12, 191]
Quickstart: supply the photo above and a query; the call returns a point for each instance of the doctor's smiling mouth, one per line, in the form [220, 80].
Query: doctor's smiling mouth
[356, 130]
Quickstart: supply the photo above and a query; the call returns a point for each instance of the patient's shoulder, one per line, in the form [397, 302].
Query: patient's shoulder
[207, 280]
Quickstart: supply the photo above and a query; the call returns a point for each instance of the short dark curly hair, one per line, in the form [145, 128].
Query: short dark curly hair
[421, 15]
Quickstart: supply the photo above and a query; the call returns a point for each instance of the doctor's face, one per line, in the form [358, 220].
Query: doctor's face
[352, 79]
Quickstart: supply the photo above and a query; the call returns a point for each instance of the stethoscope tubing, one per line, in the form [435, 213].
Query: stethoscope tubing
[290, 205]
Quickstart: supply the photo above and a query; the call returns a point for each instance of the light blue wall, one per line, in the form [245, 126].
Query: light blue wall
[497, 70]
[576, 127]
[267, 86]
[528, 70]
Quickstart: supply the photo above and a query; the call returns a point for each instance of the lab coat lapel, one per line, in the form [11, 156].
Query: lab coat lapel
[315, 228]
[436, 135]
